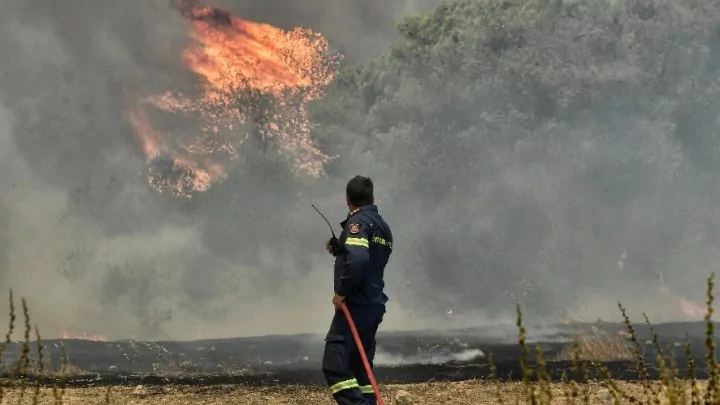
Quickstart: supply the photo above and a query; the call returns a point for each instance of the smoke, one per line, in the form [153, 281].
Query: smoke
[561, 190]
[388, 359]
[88, 243]
[567, 217]
[94, 249]
[567, 222]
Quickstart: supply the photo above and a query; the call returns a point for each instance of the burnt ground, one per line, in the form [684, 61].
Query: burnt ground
[403, 357]
[458, 393]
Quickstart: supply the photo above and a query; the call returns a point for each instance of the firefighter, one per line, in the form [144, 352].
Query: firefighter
[361, 253]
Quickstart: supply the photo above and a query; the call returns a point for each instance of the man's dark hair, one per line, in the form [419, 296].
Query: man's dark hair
[359, 191]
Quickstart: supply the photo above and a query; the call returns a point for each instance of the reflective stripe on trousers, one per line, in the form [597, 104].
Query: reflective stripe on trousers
[344, 385]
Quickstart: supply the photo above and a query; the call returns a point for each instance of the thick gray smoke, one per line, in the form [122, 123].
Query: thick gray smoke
[94, 249]
[566, 164]
[87, 242]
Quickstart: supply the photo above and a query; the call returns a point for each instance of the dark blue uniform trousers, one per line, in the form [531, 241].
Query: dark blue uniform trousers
[342, 365]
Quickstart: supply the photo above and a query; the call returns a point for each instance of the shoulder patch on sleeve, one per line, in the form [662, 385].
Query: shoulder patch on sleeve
[354, 229]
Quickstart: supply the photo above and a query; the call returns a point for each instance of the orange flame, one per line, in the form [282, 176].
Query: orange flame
[84, 336]
[239, 63]
[692, 309]
[688, 307]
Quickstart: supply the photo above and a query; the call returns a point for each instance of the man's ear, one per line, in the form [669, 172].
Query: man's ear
[347, 200]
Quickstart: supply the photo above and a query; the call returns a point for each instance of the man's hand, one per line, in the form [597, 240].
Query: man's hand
[331, 246]
[337, 300]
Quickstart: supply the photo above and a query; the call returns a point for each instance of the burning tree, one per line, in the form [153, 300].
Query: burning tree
[255, 82]
[166, 175]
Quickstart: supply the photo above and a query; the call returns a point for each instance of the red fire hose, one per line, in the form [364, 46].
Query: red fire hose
[361, 349]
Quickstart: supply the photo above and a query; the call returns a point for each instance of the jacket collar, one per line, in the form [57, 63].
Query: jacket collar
[370, 207]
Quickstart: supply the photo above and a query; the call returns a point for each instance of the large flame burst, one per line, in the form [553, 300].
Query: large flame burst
[256, 80]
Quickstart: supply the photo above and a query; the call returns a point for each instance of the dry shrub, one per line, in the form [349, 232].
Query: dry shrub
[599, 347]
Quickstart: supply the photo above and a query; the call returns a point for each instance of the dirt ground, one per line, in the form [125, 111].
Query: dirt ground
[462, 393]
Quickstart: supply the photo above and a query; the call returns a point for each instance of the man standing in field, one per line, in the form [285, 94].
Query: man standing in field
[361, 253]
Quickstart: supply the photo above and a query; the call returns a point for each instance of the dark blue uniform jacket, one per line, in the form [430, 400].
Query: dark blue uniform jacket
[364, 248]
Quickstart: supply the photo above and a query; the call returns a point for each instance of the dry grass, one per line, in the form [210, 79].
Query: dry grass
[672, 389]
[597, 348]
[460, 393]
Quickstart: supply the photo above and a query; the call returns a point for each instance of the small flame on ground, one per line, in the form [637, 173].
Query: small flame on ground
[688, 307]
[692, 309]
[251, 73]
[84, 336]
